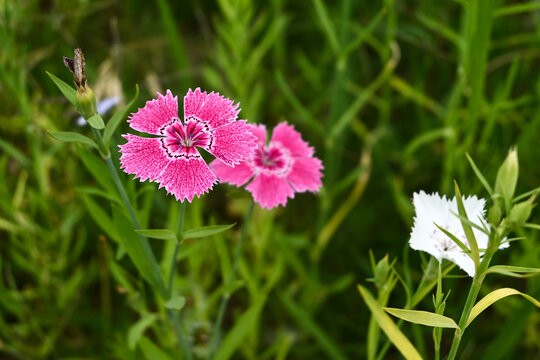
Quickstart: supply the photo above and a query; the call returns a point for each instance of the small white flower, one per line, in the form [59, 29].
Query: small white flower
[102, 108]
[425, 236]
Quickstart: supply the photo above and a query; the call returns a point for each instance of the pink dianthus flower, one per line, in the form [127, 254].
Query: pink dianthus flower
[172, 160]
[285, 166]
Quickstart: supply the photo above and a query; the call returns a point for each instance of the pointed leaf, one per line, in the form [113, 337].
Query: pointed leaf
[514, 271]
[161, 234]
[495, 296]
[479, 175]
[423, 318]
[467, 229]
[458, 242]
[389, 327]
[69, 136]
[96, 122]
[205, 231]
[67, 90]
[176, 303]
[117, 118]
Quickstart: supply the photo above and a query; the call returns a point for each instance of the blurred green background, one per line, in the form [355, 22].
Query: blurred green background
[392, 94]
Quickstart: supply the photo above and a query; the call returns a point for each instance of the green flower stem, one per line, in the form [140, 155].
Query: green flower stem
[216, 330]
[471, 300]
[127, 204]
[174, 317]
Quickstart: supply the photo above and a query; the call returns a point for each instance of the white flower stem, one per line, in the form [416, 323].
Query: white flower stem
[216, 330]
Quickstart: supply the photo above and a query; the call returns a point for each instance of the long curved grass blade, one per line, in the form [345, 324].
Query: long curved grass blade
[422, 317]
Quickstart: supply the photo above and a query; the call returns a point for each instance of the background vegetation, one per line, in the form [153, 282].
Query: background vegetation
[392, 94]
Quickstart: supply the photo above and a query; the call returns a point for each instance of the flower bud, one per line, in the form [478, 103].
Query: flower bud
[381, 272]
[507, 176]
[521, 212]
[85, 99]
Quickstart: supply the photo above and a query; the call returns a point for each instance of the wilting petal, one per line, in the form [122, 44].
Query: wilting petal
[259, 130]
[237, 175]
[213, 109]
[305, 174]
[187, 177]
[270, 190]
[155, 114]
[144, 157]
[233, 143]
[291, 140]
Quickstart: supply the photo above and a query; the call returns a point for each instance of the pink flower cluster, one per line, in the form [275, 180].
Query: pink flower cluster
[210, 122]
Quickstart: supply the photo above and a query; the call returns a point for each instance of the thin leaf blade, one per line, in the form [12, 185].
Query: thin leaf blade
[423, 318]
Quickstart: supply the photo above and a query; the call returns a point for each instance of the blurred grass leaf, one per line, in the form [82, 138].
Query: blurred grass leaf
[389, 327]
[513, 271]
[137, 330]
[151, 351]
[423, 318]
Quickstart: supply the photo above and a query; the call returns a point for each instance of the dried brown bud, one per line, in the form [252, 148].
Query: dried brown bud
[77, 67]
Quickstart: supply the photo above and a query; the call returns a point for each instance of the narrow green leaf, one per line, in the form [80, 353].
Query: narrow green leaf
[494, 296]
[67, 90]
[151, 351]
[479, 175]
[458, 242]
[513, 271]
[327, 26]
[101, 217]
[517, 8]
[176, 303]
[161, 234]
[118, 116]
[96, 121]
[389, 327]
[69, 136]
[423, 318]
[242, 328]
[467, 229]
[205, 231]
[303, 318]
[137, 330]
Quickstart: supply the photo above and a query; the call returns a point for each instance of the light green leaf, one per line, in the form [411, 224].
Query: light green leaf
[389, 327]
[458, 242]
[479, 175]
[423, 318]
[243, 327]
[176, 303]
[467, 229]
[67, 90]
[495, 296]
[99, 171]
[69, 136]
[205, 231]
[514, 271]
[151, 351]
[136, 331]
[96, 122]
[118, 116]
[161, 234]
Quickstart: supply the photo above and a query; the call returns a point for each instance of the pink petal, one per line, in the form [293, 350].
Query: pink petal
[233, 143]
[237, 175]
[144, 157]
[305, 174]
[259, 130]
[187, 177]
[156, 113]
[270, 190]
[211, 108]
[291, 140]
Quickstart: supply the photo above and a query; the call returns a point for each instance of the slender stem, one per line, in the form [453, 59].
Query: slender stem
[216, 331]
[179, 231]
[183, 342]
[469, 303]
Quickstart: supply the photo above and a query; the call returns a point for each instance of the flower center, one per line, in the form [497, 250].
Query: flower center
[443, 243]
[181, 139]
[272, 159]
